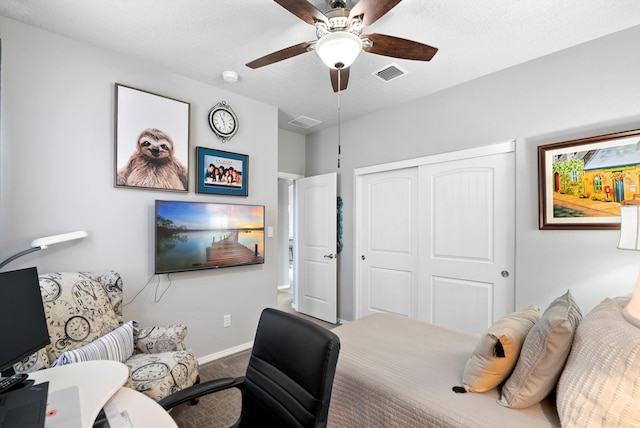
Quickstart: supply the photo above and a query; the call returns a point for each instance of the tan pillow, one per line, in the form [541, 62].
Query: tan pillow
[599, 386]
[496, 354]
[543, 355]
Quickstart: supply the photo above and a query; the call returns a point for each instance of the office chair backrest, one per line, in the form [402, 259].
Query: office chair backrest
[290, 374]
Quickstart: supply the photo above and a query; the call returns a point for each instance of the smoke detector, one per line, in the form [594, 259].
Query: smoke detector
[230, 76]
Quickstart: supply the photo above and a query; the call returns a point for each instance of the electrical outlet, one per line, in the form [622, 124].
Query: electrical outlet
[227, 321]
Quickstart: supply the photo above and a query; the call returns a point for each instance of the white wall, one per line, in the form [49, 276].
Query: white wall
[291, 153]
[57, 175]
[588, 90]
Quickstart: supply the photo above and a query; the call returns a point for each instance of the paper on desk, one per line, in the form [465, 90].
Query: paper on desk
[63, 409]
[116, 417]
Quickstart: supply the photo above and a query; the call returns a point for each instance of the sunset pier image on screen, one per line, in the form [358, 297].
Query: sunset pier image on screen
[203, 235]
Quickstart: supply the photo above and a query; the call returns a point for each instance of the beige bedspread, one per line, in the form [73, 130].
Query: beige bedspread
[397, 372]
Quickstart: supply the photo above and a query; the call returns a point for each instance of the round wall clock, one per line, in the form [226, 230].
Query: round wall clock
[223, 121]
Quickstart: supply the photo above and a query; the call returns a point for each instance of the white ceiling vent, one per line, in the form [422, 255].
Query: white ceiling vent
[390, 72]
[304, 122]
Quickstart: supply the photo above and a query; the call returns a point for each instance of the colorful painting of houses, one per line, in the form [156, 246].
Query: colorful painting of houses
[595, 183]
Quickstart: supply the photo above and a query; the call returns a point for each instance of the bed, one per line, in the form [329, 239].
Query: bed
[399, 372]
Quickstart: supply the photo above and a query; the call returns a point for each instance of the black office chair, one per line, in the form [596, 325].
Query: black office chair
[289, 378]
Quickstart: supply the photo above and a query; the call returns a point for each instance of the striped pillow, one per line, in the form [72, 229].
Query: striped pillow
[115, 346]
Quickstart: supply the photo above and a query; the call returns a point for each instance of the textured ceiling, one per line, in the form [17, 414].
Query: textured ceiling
[202, 38]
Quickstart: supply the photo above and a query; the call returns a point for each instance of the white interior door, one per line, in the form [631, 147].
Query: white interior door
[315, 246]
[467, 241]
[388, 249]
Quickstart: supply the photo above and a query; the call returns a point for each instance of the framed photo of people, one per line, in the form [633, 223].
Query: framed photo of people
[222, 173]
[583, 183]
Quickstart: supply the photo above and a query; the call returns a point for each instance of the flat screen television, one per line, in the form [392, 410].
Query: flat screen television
[22, 321]
[207, 235]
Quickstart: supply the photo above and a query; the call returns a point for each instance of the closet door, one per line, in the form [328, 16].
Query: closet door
[467, 241]
[387, 224]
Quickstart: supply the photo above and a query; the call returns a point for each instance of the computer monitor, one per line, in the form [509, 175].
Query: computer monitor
[23, 325]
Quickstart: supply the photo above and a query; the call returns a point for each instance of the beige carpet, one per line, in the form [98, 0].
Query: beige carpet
[215, 410]
[223, 408]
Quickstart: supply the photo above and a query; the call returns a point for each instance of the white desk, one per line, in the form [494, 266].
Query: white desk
[143, 411]
[100, 381]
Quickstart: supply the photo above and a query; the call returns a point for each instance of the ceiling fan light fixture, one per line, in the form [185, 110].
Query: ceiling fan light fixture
[339, 49]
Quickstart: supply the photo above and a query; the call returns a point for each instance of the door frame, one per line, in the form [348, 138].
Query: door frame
[476, 152]
[283, 224]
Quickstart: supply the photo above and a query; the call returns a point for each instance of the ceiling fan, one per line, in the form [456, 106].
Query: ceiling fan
[340, 39]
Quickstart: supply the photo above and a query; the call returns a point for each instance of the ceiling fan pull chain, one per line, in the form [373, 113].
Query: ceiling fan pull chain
[339, 143]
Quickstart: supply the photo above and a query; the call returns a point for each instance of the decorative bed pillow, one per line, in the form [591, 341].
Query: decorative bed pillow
[115, 346]
[496, 354]
[154, 340]
[543, 355]
[599, 385]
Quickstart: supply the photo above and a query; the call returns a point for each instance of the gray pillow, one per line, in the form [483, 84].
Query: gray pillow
[543, 355]
[599, 385]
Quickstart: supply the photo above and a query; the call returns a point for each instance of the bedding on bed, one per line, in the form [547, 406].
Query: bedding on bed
[399, 372]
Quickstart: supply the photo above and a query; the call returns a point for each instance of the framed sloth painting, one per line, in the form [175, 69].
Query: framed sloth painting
[152, 141]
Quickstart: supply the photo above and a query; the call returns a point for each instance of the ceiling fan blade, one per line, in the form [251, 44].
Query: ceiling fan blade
[280, 55]
[399, 48]
[303, 10]
[372, 9]
[344, 78]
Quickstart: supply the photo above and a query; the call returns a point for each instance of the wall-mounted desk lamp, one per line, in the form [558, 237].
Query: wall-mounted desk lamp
[42, 243]
[630, 240]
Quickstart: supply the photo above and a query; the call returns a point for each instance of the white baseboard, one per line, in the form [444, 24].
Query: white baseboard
[231, 351]
[225, 353]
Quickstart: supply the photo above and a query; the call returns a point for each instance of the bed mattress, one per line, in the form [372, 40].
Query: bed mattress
[398, 372]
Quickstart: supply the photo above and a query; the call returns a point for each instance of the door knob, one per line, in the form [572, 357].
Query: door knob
[362, 257]
[505, 274]
[328, 256]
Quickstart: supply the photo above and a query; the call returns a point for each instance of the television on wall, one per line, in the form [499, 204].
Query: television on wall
[207, 235]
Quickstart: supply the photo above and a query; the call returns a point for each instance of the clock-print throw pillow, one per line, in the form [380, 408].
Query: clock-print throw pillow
[115, 346]
[153, 340]
[77, 309]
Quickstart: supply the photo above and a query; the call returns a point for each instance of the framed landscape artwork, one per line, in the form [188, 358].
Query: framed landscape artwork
[582, 183]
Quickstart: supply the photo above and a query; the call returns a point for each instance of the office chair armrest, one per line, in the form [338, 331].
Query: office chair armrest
[198, 390]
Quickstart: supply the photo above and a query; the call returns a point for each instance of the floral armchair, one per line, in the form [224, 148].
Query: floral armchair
[84, 316]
